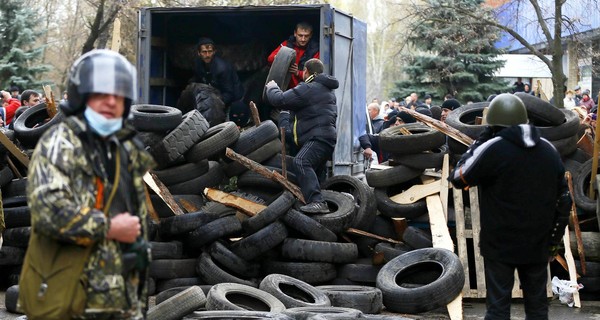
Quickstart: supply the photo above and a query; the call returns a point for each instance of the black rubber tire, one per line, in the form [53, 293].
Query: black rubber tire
[182, 173]
[17, 237]
[251, 179]
[447, 280]
[581, 186]
[211, 178]
[463, 119]
[164, 295]
[270, 214]
[236, 314]
[259, 155]
[359, 273]
[580, 156]
[363, 196]
[15, 188]
[26, 129]
[223, 256]
[11, 256]
[541, 111]
[242, 298]
[155, 118]
[307, 226]
[11, 298]
[178, 305]
[323, 313]
[17, 217]
[180, 140]
[192, 201]
[423, 138]
[417, 238]
[293, 292]
[425, 160]
[564, 130]
[173, 268]
[342, 211]
[166, 250]
[565, 146]
[166, 284]
[265, 239]
[391, 251]
[205, 99]
[254, 137]
[150, 138]
[213, 274]
[319, 251]
[6, 176]
[366, 299]
[310, 272]
[279, 70]
[214, 142]
[208, 233]
[391, 176]
[391, 209]
[20, 201]
[184, 223]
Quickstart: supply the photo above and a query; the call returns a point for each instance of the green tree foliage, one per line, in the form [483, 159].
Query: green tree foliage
[451, 56]
[20, 58]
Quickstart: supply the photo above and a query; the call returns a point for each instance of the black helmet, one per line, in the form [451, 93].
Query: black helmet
[100, 71]
[506, 110]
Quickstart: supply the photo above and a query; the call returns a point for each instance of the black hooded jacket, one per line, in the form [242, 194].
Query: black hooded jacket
[221, 75]
[520, 178]
[314, 109]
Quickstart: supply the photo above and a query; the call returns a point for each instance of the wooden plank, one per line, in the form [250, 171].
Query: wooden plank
[445, 184]
[188, 206]
[247, 207]
[441, 126]
[161, 190]
[439, 227]
[115, 44]
[575, 221]
[455, 310]
[400, 225]
[476, 227]
[461, 238]
[416, 193]
[273, 175]
[254, 113]
[371, 235]
[50, 104]
[12, 148]
[571, 264]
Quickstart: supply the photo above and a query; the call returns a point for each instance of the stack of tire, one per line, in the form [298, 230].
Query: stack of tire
[17, 219]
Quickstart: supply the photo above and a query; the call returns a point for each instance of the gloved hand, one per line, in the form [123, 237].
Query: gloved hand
[272, 84]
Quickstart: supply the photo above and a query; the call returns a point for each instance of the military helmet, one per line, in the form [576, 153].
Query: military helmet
[100, 71]
[506, 110]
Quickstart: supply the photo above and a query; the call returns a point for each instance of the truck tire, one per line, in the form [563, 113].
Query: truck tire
[212, 231]
[222, 254]
[254, 137]
[270, 214]
[391, 209]
[319, 251]
[310, 272]
[566, 129]
[463, 119]
[172, 268]
[325, 312]
[182, 173]
[293, 292]
[155, 118]
[236, 314]
[308, 227]
[417, 238]
[363, 196]
[246, 298]
[581, 188]
[342, 215]
[366, 299]
[178, 305]
[214, 274]
[541, 112]
[402, 294]
[391, 176]
[260, 155]
[185, 223]
[425, 160]
[423, 138]
[265, 239]
[214, 142]
[211, 178]
[166, 250]
[280, 70]
[27, 130]
[166, 284]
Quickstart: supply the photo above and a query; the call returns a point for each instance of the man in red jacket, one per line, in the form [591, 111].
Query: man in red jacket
[305, 50]
[9, 106]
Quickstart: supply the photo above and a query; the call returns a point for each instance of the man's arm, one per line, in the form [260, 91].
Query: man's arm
[289, 100]
[470, 166]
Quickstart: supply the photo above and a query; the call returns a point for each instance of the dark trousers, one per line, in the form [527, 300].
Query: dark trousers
[312, 155]
[499, 280]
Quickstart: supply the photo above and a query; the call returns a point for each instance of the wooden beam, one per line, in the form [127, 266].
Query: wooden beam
[260, 169]
[575, 221]
[245, 206]
[371, 235]
[436, 124]
[50, 105]
[445, 184]
[571, 264]
[12, 148]
[254, 113]
[416, 193]
[115, 44]
[161, 190]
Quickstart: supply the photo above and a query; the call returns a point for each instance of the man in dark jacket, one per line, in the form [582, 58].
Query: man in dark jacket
[213, 70]
[313, 126]
[524, 203]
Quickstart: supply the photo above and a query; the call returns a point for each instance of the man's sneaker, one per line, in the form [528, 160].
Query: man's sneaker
[315, 207]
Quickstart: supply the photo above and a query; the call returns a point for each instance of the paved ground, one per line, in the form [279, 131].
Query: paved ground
[473, 310]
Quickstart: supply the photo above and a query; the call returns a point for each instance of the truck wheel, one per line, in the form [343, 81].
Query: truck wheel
[178, 305]
[320, 251]
[17, 217]
[279, 70]
[243, 298]
[541, 112]
[11, 298]
[581, 186]
[342, 211]
[422, 161]
[236, 314]
[166, 250]
[463, 119]
[214, 141]
[402, 285]
[17, 237]
[182, 173]
[213, 230]
[214, 274]
[363, 196]
[564, 130]
[176, 225]
[391, 209]
[27, 130]
[223, 256]
[155, 118]
[391, 176]
[211, 178]
[307, 226]
[293, 292]
[417, 238]
[251, 139]
[267, 238]
[423, 138]
[270, 214]
[6, 176]
[366, 299]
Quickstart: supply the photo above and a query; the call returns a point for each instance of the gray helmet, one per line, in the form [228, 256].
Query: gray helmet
[506, 110]
[100, 71]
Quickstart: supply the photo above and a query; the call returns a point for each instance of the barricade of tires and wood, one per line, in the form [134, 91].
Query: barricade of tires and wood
[233, 242]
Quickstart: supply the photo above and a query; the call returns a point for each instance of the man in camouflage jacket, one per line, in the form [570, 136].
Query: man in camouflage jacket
[87, 164]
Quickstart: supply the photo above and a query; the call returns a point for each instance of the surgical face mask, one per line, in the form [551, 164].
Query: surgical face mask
[103, 126]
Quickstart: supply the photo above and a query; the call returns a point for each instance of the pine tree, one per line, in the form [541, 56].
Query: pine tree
[451, 56]
[19, 56]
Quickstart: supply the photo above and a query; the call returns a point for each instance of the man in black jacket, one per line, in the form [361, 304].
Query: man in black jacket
[524, 203]
[313, 104]
[213, 70]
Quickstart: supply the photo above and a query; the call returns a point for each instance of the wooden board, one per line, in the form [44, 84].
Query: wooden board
[247, 207]
[161, 190]
[571, 264]
[416, 193]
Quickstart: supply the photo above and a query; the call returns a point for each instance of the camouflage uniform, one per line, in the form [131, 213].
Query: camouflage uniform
[62, 191]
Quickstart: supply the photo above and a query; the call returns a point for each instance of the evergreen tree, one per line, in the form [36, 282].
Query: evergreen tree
[451, 56]
[19, 56]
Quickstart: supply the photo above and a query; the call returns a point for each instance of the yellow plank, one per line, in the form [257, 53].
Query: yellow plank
[445, 184]
[245, 206]
[416, 193]
[439, 227]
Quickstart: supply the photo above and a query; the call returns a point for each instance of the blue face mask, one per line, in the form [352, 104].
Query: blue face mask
[103, 126]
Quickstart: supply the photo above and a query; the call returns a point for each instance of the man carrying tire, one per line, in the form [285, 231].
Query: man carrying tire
[524, 201]
[305, 50]
[313, 127]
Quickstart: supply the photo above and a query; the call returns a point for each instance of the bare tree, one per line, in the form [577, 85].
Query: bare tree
[106, 13]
